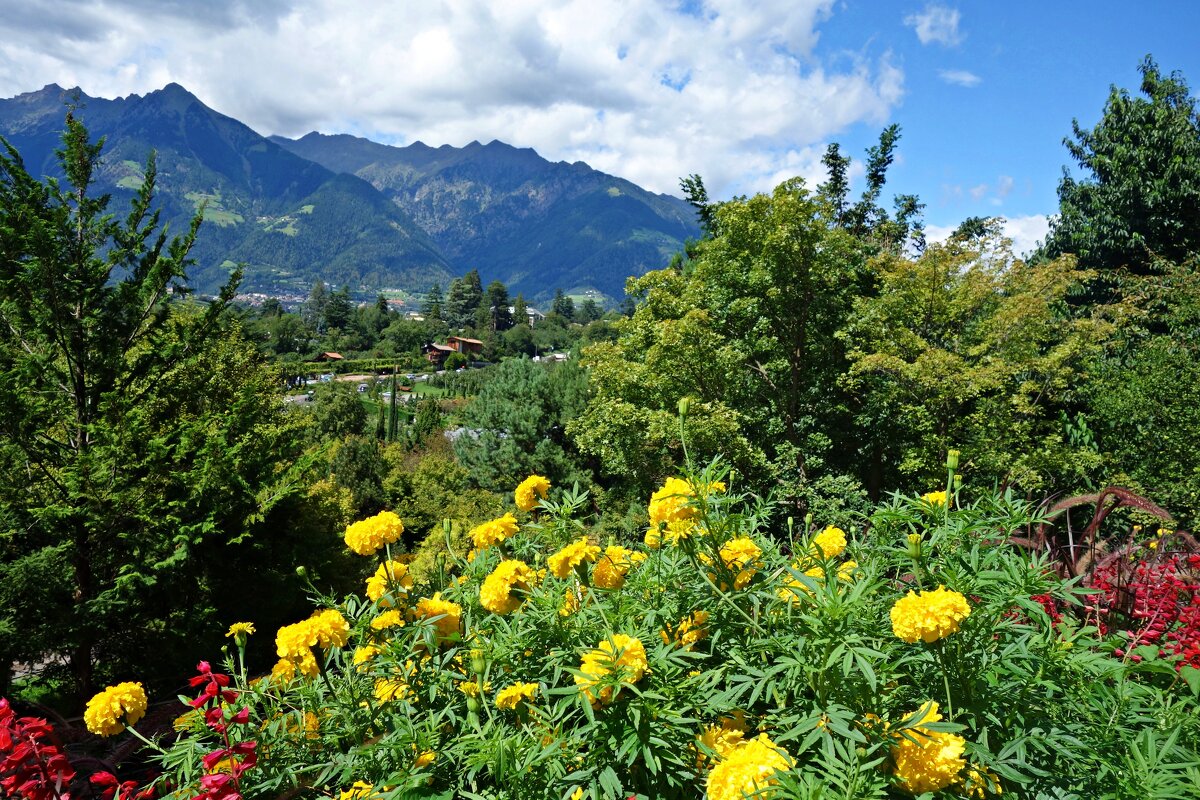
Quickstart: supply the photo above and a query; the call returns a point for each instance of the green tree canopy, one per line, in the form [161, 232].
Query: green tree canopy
[1138, 198]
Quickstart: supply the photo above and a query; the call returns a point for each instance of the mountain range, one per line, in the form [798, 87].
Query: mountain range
[346, 210]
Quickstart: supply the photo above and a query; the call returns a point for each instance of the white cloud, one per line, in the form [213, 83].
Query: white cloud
[1025, 232]
[730, 89]
[937, 23]
[960, 77]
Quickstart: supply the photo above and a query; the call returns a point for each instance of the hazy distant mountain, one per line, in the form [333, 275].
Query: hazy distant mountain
[532, 223]
[290, 220]
[350, 211]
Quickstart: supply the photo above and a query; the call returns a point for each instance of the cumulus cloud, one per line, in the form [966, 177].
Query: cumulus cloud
[1026, 232]
[650, 91]
[936, 23]
[960, 77]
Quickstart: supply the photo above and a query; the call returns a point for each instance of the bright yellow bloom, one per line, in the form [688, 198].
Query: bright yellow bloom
[720, 739]
[368, 535]
[741, 557]
[846, 571]
[792, 586]
[530, 491]
[612, 567]
[934, 498]
[928, 616]
[571, 600]
[471, 688]
[925, 760]
[671, 512]
[829, 543]
[512, 696]
[390, 576]
[110, 711]
[424, 759]
[621, 656]
[496, 594]
[494, 531]
[284, 670]
[362, 655]
[360, 790]
[238, 631]
[330, 628]
[388, 619]
[389, 689]
[689, 630]
[450, 615]
[571, 556]
[748, 769]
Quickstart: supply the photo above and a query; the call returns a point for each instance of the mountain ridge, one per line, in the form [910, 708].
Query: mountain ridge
[348, 210]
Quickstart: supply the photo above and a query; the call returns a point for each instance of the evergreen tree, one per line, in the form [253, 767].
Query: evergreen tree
[431, 307]
[520, 310]
[136, 435]
[563, 305]
[314, 307]
[588, 311]
[338, 310]
[497, 301]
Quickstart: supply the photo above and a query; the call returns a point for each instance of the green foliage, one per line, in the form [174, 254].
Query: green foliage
[968, 348]
[142, 440]
[802, 651]
[514, 426]
[1138, 199]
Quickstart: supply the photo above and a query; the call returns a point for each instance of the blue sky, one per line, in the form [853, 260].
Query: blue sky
[744, 92]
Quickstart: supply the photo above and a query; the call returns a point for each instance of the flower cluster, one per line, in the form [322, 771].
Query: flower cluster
[564, 562]
[741, 558]
[1157, 600]
[366, 536]
[673, 515]
[530, 492]
[747, 769]
[497, 592]
[111, 710]
[924, 760]
[32, 763]
[928, 616]
[688, 632]
[391, 577]
[613, 566]
[446, 616]
[225, 765]
[494, 531]
[829, 543]
[294, 643]
[511, 697]
[617, 659]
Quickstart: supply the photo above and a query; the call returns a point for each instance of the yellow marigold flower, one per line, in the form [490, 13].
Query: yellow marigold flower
[846, 571]
[364, 654]
[621, 656]
[388, 619]
[719, 740]
[980, 782]
[360, 790]
[391, 575]
[496, 594]
[571, 556]
[612, 567]
[187, 720]
[572, 600]
[388, 689]
[330, 628]
[928, 616]
[530, 491]
[512, 696]
[925, 760]
[829, 543]
[689, 630]
[424, 759]
[284, 671]
[748, 769]
[110, 711]
[494, 531]
[741, 557]
[670, 507]
[450, 615]
[368, 535]
[238, 631]
[793, 586]
[935, 498]
[471, 688]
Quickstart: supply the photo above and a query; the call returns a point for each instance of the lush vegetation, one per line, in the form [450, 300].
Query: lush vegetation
[903, 570]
